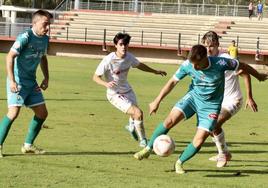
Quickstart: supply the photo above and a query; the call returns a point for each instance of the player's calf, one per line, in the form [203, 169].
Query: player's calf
[1, 152]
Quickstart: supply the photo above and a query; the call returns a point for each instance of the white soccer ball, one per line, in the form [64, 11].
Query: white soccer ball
[164, 145]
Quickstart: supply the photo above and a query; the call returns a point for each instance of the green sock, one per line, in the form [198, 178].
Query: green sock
[157, 132]
[4, 128]
[34, 129]
[188, 153]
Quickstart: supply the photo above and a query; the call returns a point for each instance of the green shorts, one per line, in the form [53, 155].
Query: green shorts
[28, 96]
[206, 112]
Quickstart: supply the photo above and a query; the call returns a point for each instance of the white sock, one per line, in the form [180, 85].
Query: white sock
[131, 124]
[220, 143]
[26, 145]
[140, 129]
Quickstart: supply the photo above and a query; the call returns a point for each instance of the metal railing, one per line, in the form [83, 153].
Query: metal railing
[103, 36]
[158, 7]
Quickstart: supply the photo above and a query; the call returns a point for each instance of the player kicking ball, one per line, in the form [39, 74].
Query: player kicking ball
[115, 67]
[203, 99]
[28, 51]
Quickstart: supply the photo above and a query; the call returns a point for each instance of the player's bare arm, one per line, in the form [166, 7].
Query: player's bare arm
[98, 79]
[10, 70]
[153, 106]
[249, 101]
[146, 68]
[44, 68]
[248, 69]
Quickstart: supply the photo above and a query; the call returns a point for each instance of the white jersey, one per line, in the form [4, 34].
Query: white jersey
[116, 69]
[232, 89]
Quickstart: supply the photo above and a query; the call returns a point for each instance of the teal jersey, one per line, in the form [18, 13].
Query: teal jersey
[30, 48]
[207, 84]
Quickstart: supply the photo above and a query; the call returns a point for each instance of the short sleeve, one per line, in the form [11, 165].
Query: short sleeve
[47, 44]
[102, 67]
[232, 64]
[134, 61]
[20, 42]
[182, 71]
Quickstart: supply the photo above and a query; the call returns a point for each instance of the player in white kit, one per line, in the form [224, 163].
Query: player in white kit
[232, 100]
[115, 67]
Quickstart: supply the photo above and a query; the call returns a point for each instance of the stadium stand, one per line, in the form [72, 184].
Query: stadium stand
[160, 35]
[160, 29]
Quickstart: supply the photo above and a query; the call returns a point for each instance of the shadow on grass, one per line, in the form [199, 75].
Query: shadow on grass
[230, 144]
[77, 99]
[183, 144]
[225, 173]
[77, 153]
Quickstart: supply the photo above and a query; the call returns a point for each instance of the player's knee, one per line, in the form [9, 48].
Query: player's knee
[138, 114]
[169, 123]
[198, 142]
[12, 114]
[42, 115]
[217, 131]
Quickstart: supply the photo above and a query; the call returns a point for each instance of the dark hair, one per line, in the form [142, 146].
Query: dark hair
[211, 36]
[42, 13]
[197, 53]
[126, 38]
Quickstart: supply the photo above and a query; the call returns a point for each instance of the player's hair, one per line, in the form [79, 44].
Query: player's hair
[210, 36]
[42, 13]
[126, 38]
[197, 53]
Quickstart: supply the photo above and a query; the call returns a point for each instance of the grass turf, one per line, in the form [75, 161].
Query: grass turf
[88, 146]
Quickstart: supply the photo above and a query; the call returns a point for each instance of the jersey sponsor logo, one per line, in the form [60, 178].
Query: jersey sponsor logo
[16, 45]
[213, 116]
[117, 71]
[25, 35]
[221, 62]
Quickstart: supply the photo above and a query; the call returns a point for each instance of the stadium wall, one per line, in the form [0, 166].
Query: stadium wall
[143, 53]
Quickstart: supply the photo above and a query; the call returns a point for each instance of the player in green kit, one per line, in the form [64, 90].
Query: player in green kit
[28, 51]
[203, 98]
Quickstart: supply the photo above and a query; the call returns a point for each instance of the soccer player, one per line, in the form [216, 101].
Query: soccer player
[115, 67]
[28, 51]
[232, 101]
[203, 98]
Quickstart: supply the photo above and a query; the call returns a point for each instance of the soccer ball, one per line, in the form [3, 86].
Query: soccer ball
[164, 145]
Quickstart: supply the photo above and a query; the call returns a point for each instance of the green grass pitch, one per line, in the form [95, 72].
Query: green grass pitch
[88, 147]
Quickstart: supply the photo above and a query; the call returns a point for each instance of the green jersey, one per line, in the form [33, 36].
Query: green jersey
[30, 49]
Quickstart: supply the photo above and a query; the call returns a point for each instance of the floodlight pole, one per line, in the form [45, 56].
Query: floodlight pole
[136, 5]
[33, 4]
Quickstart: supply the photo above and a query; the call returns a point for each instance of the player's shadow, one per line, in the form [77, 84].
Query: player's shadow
[78, 153]
[225, 173]
[92, 153]
[76, 99]
[230, 144]
[233, 145]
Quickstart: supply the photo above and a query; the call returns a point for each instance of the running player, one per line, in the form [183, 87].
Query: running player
[232, 101]
[115, 67]
[203, 98]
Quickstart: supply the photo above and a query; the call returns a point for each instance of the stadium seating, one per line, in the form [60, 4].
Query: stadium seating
[160, 29]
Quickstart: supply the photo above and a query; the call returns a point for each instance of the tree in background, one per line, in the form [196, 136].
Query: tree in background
[45, 4]
[51, 4]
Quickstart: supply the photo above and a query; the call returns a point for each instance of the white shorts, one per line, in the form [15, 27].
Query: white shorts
[123, 101]
[231, 105]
